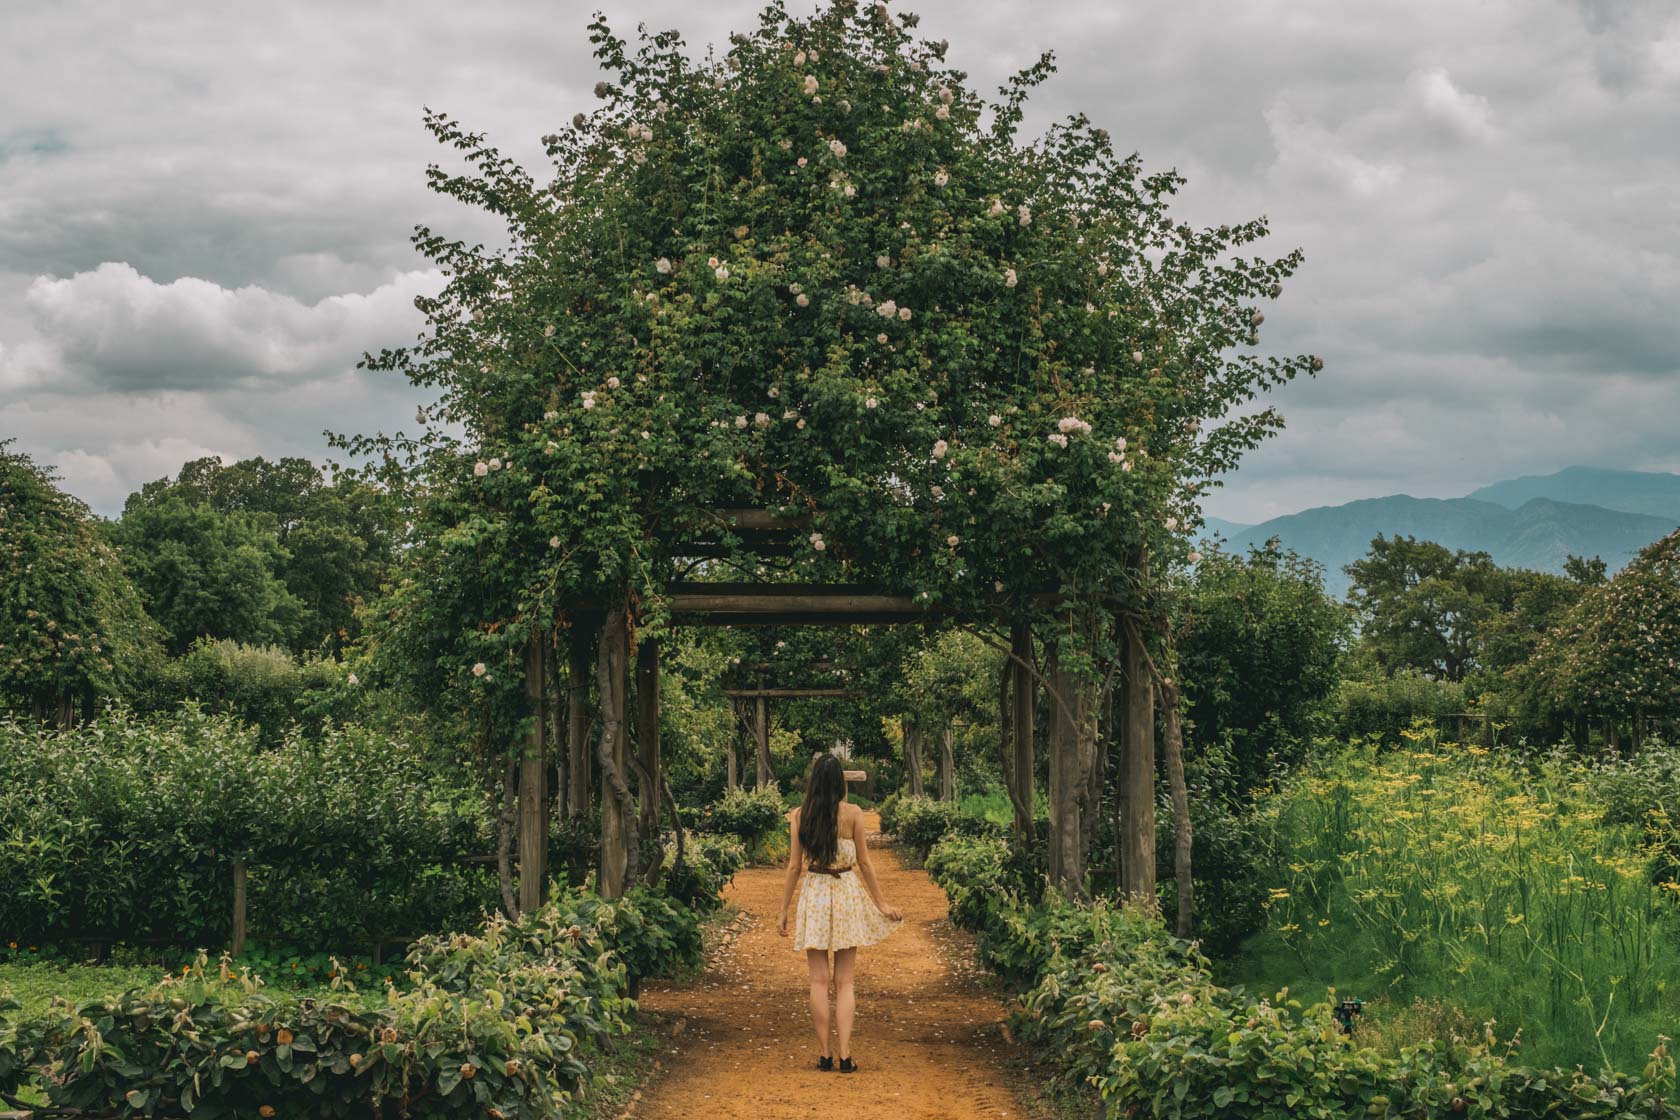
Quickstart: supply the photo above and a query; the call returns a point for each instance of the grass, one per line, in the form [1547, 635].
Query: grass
[1446, 886]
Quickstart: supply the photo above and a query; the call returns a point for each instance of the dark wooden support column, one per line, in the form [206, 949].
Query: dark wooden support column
[1023, 703]
[761, 741]
[578, 657]
[947, 765]
[913, 760]
[533, 784]
[1137, 772]
[618, 807]
[732, 747]
[647, 750]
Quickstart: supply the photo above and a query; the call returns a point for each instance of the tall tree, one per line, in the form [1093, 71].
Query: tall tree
[71, 624]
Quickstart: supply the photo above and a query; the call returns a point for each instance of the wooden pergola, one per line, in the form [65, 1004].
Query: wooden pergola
[751, 708]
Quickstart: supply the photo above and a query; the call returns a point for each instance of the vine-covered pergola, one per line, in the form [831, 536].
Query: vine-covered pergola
[807, 333]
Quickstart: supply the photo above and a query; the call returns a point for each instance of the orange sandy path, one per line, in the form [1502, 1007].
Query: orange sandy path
[927, 1041]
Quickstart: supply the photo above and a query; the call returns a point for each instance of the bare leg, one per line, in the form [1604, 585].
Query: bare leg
[844, 1000]
[816, 960]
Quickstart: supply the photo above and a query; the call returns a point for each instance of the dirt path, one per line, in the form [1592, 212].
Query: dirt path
[928, 1041]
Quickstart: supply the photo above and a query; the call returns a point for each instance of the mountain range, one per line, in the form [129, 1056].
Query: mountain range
[1531, 522]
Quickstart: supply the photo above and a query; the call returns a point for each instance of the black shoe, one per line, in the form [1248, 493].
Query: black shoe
[847, 1066]
[825, 1064]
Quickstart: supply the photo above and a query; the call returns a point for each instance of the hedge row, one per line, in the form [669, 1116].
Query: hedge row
[501, 1023]
[1117, 1003]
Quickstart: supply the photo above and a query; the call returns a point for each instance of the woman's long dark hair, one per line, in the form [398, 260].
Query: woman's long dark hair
[819, 813]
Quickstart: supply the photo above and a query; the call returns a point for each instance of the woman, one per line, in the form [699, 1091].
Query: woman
[835, 915]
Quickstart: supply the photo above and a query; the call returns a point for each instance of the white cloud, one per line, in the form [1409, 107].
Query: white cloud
[1467, 115]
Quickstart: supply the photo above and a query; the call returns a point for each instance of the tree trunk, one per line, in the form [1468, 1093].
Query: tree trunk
[1173, 750]
[1072, 738]
[505, 818]
[619, 846]
[1023, 705]
[1137, 773]
[761, 742]
[533, 783]
[648, 769]
[577, 720]
[947, 765]
[1096, 772]
[913, 761]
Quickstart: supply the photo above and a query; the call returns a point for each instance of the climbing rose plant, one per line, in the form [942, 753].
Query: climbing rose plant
[817, 274]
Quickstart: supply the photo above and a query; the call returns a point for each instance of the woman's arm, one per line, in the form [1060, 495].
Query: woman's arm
[796, 861]
[860, 838]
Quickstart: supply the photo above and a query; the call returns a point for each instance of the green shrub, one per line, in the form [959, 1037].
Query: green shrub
[751, 816]
[978, 875]
[922, 822]
[1383, 707]
[888, 809]
[709, 863]
[127, 828]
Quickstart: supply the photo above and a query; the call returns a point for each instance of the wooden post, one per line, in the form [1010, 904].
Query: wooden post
[577, 719]
[732, 746]
[1173, 752]
[533, 783]
[947, 765]
[1137, 772]
[618, 809]
[761, 740]
[1072, 735]
[1024, 702]
[238, 944]
[647, 752]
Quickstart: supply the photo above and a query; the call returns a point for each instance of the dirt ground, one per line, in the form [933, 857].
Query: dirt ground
[928, 1040]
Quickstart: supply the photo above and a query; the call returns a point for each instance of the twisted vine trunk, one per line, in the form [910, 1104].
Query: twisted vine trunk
[620, 847]
[533, 783]
[649, 771]
[947, 765]
[1073, 734]
[1023, 703]
[1137, 773]
[761, 742]
[1173, 756]
[913, 761]
[578, 656]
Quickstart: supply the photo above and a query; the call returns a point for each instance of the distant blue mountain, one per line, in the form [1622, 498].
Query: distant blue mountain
[1539, 533]
[1629, 491]
[1218, 526]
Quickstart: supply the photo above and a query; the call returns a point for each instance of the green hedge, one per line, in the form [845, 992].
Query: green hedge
[500, 1023]
[127, 827]
[1117, 1003]
[751, 816]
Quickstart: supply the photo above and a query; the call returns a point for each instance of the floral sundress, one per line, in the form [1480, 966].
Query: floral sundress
[835, 911]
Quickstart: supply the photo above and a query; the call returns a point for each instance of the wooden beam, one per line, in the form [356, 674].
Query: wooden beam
[789, 693]
[778, 602]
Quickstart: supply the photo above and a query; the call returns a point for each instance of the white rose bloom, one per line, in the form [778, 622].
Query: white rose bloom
[802, 300]
[548, 331]
[647, 435]
[997, 207]
[495, 464]
[881, 338]
[883, 261]
[1195, 557]
[789, 414]
[904, 314]
[1102, 268]
[761, 418]
[1058, 439]
[819, 545]
[937, 491]
[721, 272]
[943, 112]
[838, 148]
[554, 542]
[1126, 466]
[1119, 443]
[662, 266]
[870, 402]
[799, 59]
[945, 96]
[803, 161]
[774, 392]
[1009, 278]
[740, 421]
[952, 540]
[613, 382]
[887, 309]
[352, 680]
[478, 669]
[941, 177]
[1116, 457]
[1172, 524]
[994, 419]
[1137, 355]
[997, 585]
[850, 191]
[1257, 318]
[551, 415]
[939, 448]
[480, 469]
[712, 262]
[810, 83]
[800, 424]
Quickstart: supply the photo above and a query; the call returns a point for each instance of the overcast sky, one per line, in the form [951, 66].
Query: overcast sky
[205, 210]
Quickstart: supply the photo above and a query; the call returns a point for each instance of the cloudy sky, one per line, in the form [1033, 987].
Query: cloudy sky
[205, 210]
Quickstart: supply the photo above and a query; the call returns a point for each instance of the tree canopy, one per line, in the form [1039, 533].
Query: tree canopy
[815, 274]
